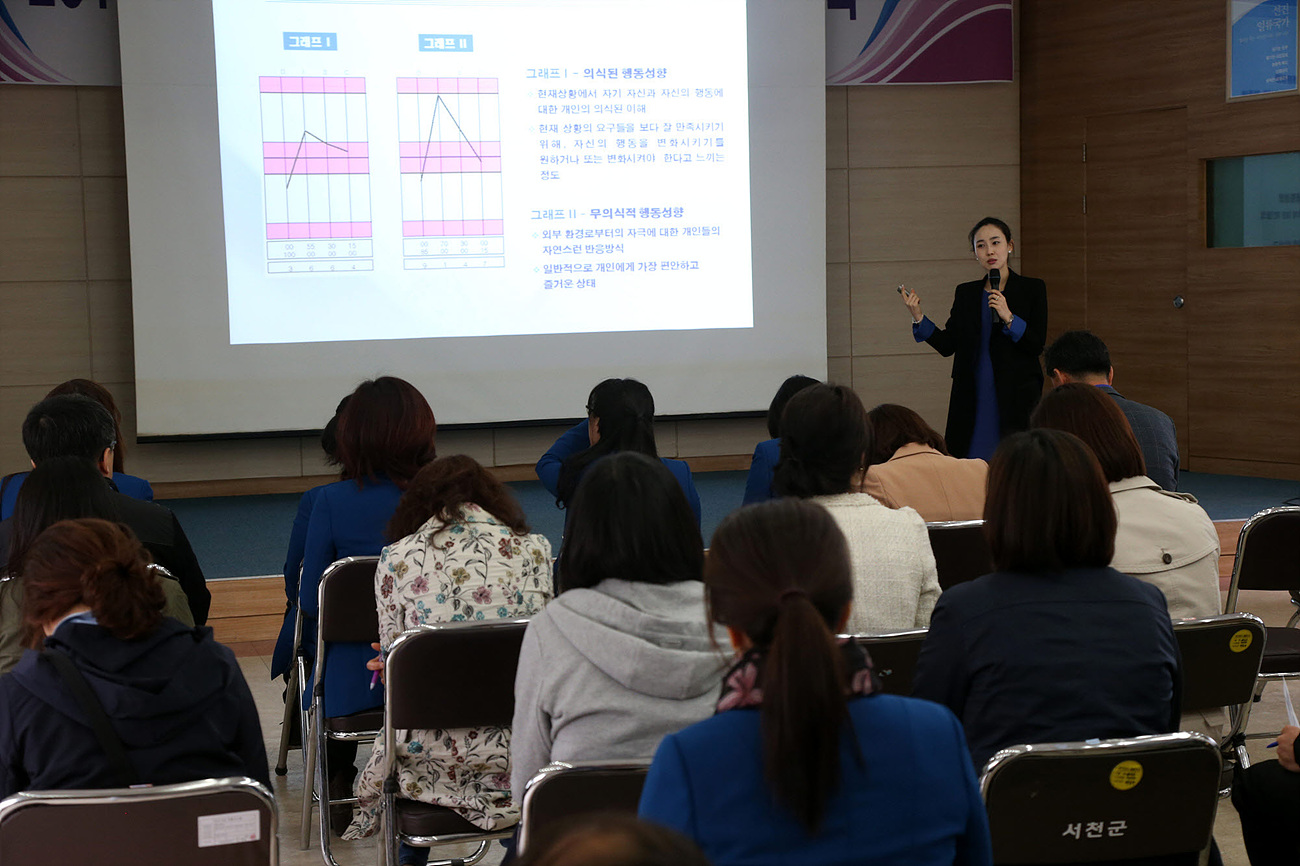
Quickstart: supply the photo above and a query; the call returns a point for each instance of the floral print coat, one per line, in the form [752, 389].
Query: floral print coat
[474, 568]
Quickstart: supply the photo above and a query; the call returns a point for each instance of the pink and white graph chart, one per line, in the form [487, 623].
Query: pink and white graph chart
[449, 140]
[316, 174]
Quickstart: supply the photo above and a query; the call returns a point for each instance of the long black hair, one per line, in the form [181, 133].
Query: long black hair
[624, 409]
[60, 488]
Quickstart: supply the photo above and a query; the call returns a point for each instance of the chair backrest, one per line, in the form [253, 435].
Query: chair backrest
[1221, 658]
[961, 552]
[453, 675]
[893, 656]
[347, 611]
[212, 822]
[1268, 554]
[1102, 800]
[564, 790]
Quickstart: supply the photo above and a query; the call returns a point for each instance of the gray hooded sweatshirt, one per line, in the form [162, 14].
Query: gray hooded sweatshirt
[606, 672]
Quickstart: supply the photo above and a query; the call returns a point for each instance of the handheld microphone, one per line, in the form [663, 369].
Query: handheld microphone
[994, 277]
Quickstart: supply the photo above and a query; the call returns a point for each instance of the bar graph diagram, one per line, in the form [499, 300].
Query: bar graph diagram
[316, 174]
[449, 140]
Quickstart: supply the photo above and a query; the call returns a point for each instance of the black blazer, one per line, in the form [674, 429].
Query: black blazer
[1017, 374]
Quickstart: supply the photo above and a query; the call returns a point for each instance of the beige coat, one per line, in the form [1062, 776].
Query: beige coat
[895, 582]
[937, 486]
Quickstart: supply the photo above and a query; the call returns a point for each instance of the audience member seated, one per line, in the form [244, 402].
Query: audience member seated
[1081, 356]
[464, 553]
[806, 761]
[132, 486]
[173, 698]
[1163, 537]
[611, 839]
[282, 656]
[385, 435]
[61, 488]
[758, 484]
[70, 425]
[825, 441]
[624, 654]
[1054, 645]
[1267, 797]
[620, 417]
[910, 465]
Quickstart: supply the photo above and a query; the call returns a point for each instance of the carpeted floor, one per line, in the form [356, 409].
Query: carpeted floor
[244, 536]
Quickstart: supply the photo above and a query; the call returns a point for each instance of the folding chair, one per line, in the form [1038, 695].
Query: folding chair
[565, 789]
[1103, 800]
[1221, 658]
[1268, 558]
[431, 686]
[293, 711]
[211, 822]
[347, 614]
[961, 552]
[893, 656]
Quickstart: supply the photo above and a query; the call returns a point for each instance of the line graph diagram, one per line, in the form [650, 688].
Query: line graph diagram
[316, 173]
[449, 148]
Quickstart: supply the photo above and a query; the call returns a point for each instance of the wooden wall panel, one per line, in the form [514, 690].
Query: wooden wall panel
[837, 215]
[839, 311]
[42, 226]
[837, 131]
[44, 331]
[940, 125]
[112, 347]
[108, 245]
[100, 130]
[39, 133]
[881, 322]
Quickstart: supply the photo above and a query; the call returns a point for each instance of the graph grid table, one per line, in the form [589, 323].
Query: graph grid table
[449, 132]
[316, 174]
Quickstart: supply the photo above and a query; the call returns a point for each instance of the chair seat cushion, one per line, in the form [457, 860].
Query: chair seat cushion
[356, 723]
[1281, 651]
[425, 819]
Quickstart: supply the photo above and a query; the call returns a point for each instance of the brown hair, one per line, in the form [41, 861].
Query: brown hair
[1048, 507]
[95, 563]
[101, 395]
[443, 486]
[1096, 419]
[825, 440]
[779, 572]
[611, 839]
[386, 430]
[893, 426]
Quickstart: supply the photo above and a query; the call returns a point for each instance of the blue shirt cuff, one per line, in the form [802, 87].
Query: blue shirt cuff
[922, 330]
[1016, 329]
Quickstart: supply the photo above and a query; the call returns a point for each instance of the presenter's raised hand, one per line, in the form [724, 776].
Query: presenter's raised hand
[913, 302]
[998, 302]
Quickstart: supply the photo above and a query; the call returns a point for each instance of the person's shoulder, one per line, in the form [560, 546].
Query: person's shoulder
[769, 449]
[1030, 283]
[716, 731]
[141, 515]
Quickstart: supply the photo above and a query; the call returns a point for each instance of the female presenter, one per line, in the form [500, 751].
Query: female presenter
[996, 330]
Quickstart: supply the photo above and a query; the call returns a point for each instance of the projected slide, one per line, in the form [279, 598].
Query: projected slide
[317, 181]
[469, 168]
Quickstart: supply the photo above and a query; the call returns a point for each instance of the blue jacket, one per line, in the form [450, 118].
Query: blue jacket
[282, 657]
[758, 484]
[136, 488]
[576, 440]
[176, 698]
[1041, 658]
[912, 799]
[346, 520]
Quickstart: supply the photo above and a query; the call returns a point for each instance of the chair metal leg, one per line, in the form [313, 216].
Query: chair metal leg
[308, 781]
[323, 783]
[292, 703]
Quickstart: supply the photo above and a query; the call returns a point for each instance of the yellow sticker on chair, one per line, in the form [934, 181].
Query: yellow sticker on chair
[1126, 775]
[1240, 641]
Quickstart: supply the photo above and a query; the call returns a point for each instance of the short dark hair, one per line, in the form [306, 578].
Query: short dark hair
[69, 425]
[780, 573]
[386, 430]
[1077, 353]
[104, 397]
[60, 488]
[329, 436]
[1096, 418]
[1048, 507]
[630, 519]
[788, 389]
[625, 410]
[989, 221]
[442, 487]
[893, 426]
[825, 439]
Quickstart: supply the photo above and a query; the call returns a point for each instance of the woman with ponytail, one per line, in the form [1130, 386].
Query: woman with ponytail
[805, 761]
[620, 417]
[166, 703]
